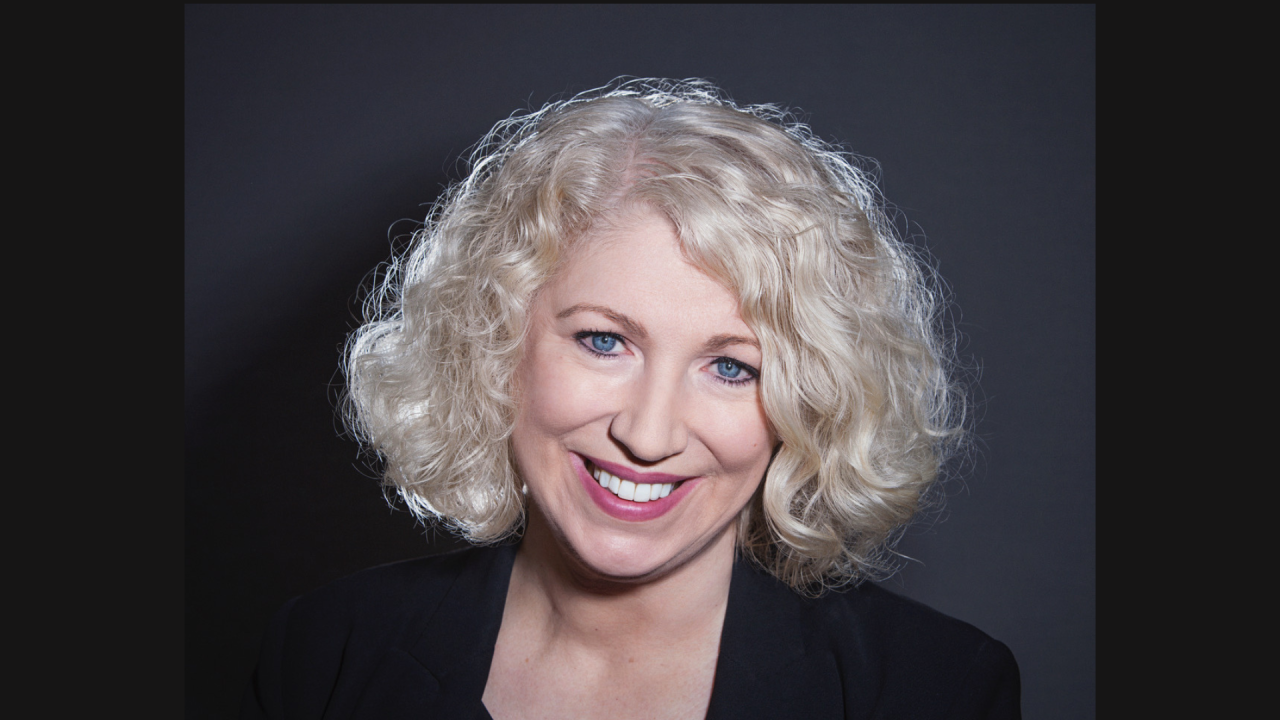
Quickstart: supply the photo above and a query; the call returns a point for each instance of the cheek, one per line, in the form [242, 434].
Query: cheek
[557, 397]
[740, 439]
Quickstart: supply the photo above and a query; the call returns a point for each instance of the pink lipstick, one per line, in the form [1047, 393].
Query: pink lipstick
[616, 502]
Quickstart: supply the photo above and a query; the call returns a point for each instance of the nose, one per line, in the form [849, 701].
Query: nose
[651, 424]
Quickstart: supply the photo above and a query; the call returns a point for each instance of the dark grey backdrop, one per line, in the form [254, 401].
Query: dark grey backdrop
[311, 130]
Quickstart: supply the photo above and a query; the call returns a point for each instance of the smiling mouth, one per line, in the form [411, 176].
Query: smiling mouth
[628, 490]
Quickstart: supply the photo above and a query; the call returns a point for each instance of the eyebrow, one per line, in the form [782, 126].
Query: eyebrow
[636, 330]
[720, 342]
[632, 327]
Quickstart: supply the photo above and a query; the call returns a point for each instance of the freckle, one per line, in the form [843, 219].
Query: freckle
[631, 660]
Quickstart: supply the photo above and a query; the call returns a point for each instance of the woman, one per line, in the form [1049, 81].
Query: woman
[663, 360]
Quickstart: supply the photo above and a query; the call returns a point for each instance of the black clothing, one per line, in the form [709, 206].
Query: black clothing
[415, 639]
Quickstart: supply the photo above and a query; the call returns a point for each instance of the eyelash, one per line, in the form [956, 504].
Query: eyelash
[751, 376]
[585, 336]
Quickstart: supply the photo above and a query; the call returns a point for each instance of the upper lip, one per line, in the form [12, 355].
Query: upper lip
[640, 478]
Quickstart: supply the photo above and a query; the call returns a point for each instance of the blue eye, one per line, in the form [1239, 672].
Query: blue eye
[601, 343]
[728, 368]
[731, 372]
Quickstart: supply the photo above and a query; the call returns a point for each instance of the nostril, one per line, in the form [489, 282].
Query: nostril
[650, 426]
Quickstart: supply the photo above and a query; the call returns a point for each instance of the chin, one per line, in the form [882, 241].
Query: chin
[623, 564]
[630, 559]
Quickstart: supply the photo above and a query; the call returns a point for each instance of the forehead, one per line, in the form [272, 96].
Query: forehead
[636, 266]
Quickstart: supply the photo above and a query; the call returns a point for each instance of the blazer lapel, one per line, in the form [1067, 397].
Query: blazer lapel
[441, 669]
[771, 665]
[773, 659]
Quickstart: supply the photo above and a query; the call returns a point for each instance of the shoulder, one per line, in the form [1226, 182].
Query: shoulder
[924, 663]
[333, 636]
[861, 652]
[898, 624]
[380, 594]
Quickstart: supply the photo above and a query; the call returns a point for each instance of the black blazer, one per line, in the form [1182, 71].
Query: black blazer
[415, 640]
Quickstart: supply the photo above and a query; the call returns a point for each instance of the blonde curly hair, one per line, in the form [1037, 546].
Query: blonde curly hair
[856, 373]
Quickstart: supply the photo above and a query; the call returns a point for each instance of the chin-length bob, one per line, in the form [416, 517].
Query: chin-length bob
[855, 374]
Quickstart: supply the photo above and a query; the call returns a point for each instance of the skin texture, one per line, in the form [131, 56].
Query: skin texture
[637, 358]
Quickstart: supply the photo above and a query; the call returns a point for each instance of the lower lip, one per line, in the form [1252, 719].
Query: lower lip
[615, 506]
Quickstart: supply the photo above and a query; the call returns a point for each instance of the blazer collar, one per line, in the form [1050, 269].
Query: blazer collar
[770, 658]
[767, 665]
[441, 668]
[457, 645]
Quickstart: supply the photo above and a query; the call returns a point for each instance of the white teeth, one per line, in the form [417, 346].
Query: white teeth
[628, 490]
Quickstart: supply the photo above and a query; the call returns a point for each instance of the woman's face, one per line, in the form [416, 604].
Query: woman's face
[640, 374]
